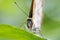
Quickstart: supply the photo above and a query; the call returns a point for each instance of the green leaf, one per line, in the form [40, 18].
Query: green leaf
[8, 32]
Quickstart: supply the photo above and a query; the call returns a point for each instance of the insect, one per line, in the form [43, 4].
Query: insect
[29, 19]
[30, 23]
[35, 16]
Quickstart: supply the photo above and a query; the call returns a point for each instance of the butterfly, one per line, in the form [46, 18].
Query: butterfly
[30, 22]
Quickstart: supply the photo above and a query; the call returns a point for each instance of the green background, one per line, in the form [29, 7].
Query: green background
[10, 14]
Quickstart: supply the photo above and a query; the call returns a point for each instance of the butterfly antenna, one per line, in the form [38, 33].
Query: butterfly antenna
[21, 9]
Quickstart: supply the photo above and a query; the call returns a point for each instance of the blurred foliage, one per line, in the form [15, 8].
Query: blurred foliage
[51, 23]
[12, 15]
